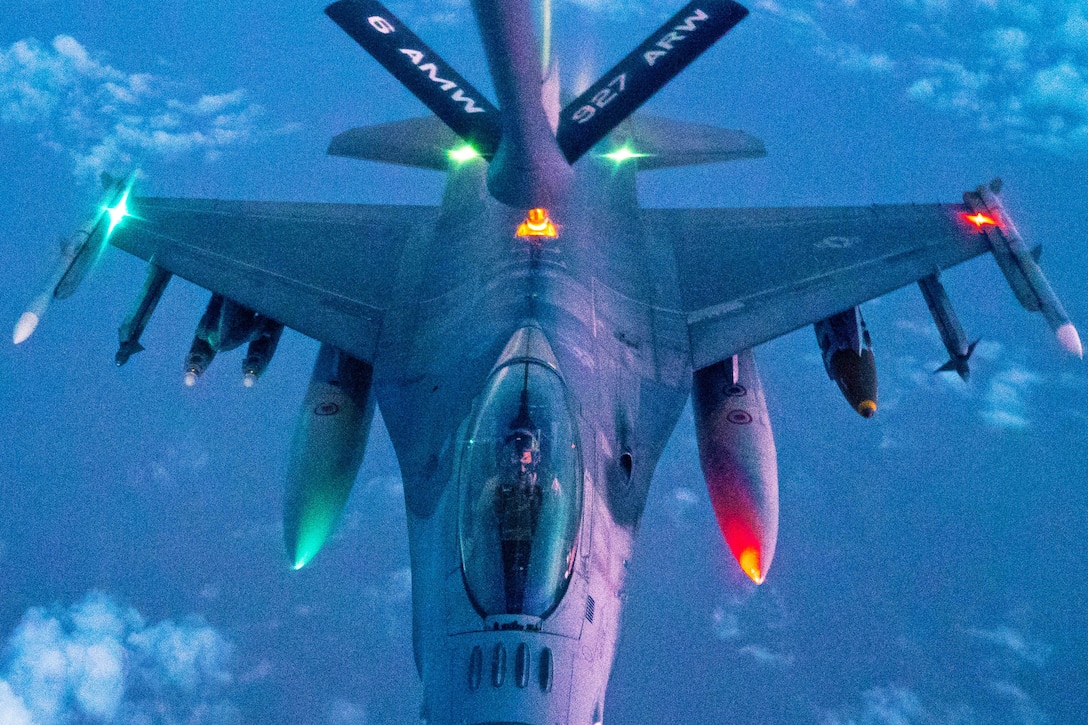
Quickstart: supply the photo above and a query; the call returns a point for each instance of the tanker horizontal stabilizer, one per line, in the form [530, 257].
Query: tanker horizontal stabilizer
[422, 143]
[669, 50]
[442, 89]
[665, 143]
[659, 143]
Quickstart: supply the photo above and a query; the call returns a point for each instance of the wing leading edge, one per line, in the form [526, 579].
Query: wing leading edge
[750, 275]
[326, 270]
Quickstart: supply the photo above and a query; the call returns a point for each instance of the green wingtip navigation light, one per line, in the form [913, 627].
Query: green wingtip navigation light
[118, 212]
[462, 154]
[624, 153]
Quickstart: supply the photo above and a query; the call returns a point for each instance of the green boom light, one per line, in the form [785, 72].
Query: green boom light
[624, 153]
[461, 154]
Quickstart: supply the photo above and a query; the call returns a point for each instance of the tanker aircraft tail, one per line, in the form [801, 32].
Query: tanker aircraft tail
[532, 341]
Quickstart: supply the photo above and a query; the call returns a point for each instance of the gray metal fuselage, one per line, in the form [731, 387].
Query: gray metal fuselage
[606, 299]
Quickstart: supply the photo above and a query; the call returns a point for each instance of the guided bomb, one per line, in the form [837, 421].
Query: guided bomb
[848, 358]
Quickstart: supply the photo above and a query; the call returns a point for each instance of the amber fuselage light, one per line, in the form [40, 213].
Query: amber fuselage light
[537, 224]
[980, 220]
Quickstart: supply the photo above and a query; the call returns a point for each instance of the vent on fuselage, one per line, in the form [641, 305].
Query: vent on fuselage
[591, 608]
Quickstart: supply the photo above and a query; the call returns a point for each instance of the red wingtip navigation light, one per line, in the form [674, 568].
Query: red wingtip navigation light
[537, 224]
[979, 220]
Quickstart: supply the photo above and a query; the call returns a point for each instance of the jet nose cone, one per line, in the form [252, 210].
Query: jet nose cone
[867, 408]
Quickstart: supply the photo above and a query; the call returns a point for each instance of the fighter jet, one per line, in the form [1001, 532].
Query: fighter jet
[532, 340]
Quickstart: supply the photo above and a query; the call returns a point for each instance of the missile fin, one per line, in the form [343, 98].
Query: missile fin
[959, 364]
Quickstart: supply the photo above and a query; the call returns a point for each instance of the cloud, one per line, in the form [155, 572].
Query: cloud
[1018, 70]
[1016, 643]
[98, 661]
[1005, 403]
[683, 504]
[898, 705]
[1001, 398]
[765, 656]
[105, 119]
[13, 710]
[1028, 712]
[343, 712]
[759, 611]
[803, 22]
[389, 603]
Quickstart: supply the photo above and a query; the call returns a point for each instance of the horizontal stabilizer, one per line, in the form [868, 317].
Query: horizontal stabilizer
[419, 142]
[591, 116]
[442, 89]
[663, 143]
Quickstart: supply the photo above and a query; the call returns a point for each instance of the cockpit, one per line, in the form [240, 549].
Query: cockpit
[521, 492]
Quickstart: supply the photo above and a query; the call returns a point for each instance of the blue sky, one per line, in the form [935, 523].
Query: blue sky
[931, 564]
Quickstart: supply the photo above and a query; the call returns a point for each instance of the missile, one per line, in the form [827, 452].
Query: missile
[129, 333]
[77, 256]
[201, 352]
[260, 350]
[848, 358]
[737, 454]
[326, 452]
[1019, 264]
[95, 233]
[38, 306]
[948, 325]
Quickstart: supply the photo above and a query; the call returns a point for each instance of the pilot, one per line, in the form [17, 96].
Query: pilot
[518, 499]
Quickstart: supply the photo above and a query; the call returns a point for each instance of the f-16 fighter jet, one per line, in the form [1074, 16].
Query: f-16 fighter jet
[532, 340]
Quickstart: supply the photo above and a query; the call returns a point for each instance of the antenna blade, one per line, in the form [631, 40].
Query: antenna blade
[593, 115]
[433, 81]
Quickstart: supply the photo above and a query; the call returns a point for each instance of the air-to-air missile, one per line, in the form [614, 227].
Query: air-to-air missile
[736, 450]
[1019, 263]
[326, 452]
[78, 254]
[848, 358]
[260, 350]
[133, 326]
[948, 325]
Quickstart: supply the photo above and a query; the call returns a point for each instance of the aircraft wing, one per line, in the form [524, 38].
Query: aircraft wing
[326, 270]
[750, 275]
